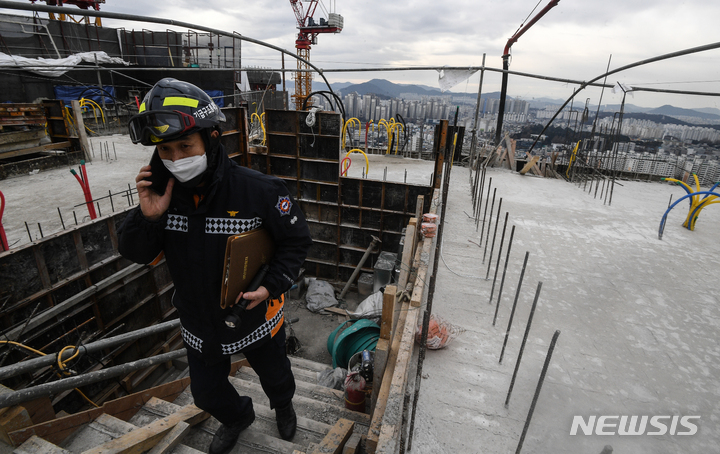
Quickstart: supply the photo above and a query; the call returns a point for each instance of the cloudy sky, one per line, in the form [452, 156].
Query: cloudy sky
[574, 41]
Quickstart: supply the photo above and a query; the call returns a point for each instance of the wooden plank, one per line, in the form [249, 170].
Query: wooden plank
[336, 438]
[36, 445]
[84, 144]
[172, 439]
[125, 407]
[14, 418]
[352, 446]
[37, 149]
[532, 162]
[379, 410]
[382, 350]
[535, 168]
[336, 310]
[511, 145]
[408, 249]
[144, 438]
[392, 415]
[388, 311]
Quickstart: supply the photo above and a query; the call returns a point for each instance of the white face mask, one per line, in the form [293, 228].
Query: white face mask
[186, 169]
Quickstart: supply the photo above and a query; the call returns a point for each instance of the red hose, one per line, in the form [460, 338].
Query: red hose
[86, 190]
[86, 193]
[4, 246]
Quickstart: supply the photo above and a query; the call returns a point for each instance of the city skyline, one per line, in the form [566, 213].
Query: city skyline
[574, 40]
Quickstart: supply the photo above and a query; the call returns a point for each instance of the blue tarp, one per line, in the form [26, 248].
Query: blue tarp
[217, 96]
[74, 93]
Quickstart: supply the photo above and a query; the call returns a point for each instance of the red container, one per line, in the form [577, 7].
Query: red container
[355, 392]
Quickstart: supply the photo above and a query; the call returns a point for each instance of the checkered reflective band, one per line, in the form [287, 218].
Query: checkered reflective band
[264, 330]
[177, 222]
[191, 340]
[231, 225]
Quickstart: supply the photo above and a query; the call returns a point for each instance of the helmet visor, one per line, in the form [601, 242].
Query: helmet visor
[153, 127]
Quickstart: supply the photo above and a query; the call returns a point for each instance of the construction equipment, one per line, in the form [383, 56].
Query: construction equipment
[309, 29]
[83, 4]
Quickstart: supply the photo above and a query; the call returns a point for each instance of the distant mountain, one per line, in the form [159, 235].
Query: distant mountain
[710, 110]
[386, 89]
[679, 112]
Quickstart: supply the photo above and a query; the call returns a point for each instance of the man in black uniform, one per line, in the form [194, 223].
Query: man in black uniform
[192, 198]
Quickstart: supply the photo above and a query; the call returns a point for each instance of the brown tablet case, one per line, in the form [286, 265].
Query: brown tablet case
[244, 255]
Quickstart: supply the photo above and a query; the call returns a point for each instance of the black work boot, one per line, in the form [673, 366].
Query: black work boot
[226, 436]
[286, 421]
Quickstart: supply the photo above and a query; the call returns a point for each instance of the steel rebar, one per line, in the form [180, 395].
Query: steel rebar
[522, 345]
[548, 357]
[502, 281]
[512, 311]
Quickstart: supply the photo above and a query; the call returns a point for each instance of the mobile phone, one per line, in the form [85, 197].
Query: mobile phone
[160, 174]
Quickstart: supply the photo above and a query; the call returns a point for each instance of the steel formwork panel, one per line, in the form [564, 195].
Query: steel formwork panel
[343, 213]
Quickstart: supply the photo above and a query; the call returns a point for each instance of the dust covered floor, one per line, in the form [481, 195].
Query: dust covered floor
[639, 322]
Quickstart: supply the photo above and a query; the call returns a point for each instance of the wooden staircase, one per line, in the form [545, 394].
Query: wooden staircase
[175, 425]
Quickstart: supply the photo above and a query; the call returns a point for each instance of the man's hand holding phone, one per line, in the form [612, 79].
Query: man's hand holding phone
[152, 204]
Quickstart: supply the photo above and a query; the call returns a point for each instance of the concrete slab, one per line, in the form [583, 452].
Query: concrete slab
[638, 318]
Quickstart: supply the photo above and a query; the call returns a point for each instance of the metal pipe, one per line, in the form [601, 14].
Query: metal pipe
[370, 249]
[49, 389]
[506, 64]
[623, 68]
[44, 361]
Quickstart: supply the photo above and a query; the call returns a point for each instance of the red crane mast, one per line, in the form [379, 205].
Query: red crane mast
[307, 36]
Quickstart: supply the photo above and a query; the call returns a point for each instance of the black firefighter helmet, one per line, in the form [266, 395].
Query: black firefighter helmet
[173, 109]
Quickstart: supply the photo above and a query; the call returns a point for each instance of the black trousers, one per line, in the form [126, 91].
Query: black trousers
[213, 392]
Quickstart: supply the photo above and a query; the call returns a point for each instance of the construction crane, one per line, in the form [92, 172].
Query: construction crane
[309, 29]
[83, 4]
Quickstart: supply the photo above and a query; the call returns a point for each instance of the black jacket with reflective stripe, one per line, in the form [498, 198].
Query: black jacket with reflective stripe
[194, 240]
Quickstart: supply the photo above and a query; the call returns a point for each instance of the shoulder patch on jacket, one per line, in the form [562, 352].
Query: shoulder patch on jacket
[283, 205]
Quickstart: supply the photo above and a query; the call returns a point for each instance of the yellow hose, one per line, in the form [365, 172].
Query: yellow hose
[61, 364]
[367, 162]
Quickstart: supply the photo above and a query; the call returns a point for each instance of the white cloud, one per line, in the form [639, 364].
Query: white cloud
[573, 40]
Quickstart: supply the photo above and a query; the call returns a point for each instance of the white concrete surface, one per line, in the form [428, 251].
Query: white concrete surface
[639, 317]
[639, 321]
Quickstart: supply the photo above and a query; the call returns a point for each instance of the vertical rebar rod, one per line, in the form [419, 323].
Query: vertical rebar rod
[131, 201]
[40, 230]
[112, 205]
[28, 230]
[522, 345]
[670, 201]
[492, 208]
[61, 218]
[497, 221]
[479, 203]
[75, 216]
[548, 357]
[487, 202]
[502, 280]
[497, 267]
[98, 207]
[512, 311]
